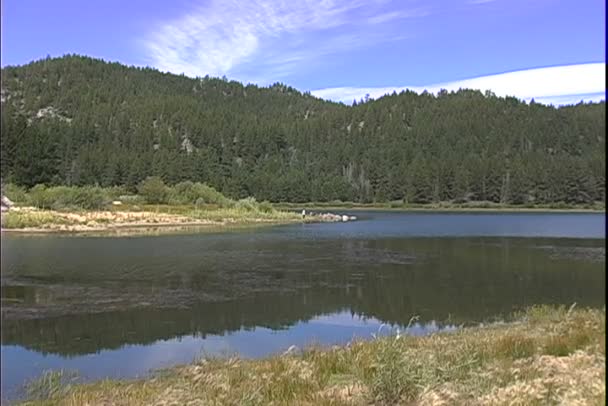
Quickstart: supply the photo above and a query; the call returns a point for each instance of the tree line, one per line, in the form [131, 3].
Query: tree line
[79, 121]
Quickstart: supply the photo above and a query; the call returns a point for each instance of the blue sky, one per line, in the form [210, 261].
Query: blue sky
[336, 49]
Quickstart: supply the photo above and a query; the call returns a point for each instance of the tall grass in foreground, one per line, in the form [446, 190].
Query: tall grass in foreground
[51, 384]
[548, 355]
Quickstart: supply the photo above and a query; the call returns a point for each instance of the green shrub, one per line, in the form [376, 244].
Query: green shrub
[63, 197]
[182, 193]
[248, 204]
[15, 193]
[39, 197]
[153, 189]
[209, 195]
[559, 205]
[265, 207]
[395, 204]
[132, 199]
[115, 192]
[88, 197]
[198, 193]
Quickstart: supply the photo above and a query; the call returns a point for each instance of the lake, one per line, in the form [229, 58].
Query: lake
[122, 306]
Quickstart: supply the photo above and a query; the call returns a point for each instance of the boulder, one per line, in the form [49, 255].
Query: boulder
[6, 203]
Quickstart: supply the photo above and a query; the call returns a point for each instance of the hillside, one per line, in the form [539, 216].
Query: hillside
[76, 120]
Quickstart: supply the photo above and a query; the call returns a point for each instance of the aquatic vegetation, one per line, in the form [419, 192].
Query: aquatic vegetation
[500, 364]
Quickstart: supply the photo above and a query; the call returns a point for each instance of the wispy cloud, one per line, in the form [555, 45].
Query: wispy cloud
[267, 39]
[552, 85]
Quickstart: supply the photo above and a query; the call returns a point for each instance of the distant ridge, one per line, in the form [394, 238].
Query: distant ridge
[79, 120]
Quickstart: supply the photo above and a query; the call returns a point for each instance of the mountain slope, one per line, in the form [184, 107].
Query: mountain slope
[78, 120]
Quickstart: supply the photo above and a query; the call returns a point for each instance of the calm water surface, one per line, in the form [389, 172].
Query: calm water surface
[122, 306]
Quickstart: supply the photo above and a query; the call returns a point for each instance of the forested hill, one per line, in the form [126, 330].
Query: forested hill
[77, 120]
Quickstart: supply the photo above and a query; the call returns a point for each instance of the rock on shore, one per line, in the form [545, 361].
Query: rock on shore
[334, 217]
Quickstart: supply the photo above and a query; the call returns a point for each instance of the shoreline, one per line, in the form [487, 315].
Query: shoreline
[546, 354]
[380, 207]
[126, 222]
[139, 228]
[164, 222]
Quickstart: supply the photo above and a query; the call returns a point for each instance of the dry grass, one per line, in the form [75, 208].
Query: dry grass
[32, 219]
[547, 356]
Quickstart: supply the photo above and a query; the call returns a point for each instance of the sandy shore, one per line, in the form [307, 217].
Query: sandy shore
[28, 220]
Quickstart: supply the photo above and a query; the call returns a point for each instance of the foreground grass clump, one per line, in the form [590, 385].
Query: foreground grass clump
[547, 355]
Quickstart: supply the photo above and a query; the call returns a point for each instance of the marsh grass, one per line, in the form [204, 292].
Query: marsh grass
[51, 384]
[247, 212]
[546, 355]
[33, 219]
[82, 209]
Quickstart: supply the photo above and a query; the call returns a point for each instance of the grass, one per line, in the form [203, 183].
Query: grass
[545, 355]
[64, 208]
[129, 215]
[33, 219]
[51, 384]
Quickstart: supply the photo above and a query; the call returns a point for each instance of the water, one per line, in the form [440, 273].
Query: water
[122, 306]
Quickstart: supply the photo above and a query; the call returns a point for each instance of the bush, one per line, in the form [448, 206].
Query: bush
[395, 204]
[210, 195]
[198, 193]
[62, 197]
[265, 207]
[40, 198]
[88, 197]
[247, 204]
[153, 189]
[132, 199]
[115, 192]
[182, 193]
[15, 193]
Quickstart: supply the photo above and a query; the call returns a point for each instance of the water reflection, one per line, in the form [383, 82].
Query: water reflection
[119, 306]
[137, 360]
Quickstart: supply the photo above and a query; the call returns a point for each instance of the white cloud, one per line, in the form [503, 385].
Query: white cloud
[269, 38]
[553, 85]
